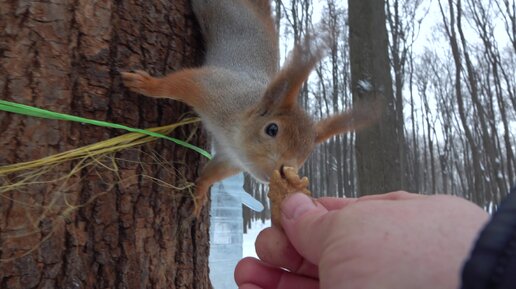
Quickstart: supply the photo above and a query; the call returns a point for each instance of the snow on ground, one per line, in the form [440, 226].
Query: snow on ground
[250, 237]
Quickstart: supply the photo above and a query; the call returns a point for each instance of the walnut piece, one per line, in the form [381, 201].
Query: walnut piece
[282, 185]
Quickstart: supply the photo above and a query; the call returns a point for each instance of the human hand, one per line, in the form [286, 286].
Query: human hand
[396, 240]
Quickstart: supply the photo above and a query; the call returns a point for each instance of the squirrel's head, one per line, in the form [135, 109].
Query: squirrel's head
[275, 137]
[276, 131]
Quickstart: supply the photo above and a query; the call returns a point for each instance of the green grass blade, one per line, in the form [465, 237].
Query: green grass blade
[43, 113]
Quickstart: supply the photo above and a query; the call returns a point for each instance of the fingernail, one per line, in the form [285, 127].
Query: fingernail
[296, 205]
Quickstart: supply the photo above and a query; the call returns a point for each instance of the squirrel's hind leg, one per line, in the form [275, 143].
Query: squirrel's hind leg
[184, 85]
[215, 170]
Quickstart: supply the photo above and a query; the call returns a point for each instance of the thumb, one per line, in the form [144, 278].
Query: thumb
[307, 224]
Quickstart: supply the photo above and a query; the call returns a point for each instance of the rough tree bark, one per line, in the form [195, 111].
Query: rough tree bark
[65, 56]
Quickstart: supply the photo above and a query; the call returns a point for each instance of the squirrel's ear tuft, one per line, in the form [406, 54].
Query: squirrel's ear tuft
[363, 114]
[285, 87]
[333, 125]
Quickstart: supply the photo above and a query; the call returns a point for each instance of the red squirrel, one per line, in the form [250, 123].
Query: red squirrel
[245, 101]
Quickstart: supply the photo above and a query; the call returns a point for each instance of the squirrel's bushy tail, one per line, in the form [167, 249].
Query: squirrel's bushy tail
[239, 34]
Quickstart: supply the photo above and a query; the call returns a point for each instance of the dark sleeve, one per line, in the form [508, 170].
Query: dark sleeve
[492, 263]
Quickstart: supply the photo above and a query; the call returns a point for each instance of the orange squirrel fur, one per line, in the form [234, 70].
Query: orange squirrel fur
[247, 104]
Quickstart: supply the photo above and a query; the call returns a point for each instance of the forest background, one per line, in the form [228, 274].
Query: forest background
[452, 65]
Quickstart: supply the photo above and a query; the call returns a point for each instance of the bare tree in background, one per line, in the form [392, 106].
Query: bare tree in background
[377, 147]
[484, 89]
[507, 9]
[403, 25]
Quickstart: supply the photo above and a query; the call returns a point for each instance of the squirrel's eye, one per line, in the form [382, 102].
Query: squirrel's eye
[272, 129]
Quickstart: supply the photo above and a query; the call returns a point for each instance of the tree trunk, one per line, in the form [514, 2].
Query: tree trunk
[377, 147]
[120, 228]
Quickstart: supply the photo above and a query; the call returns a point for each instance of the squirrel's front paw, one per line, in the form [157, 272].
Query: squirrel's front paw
[139, 81]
